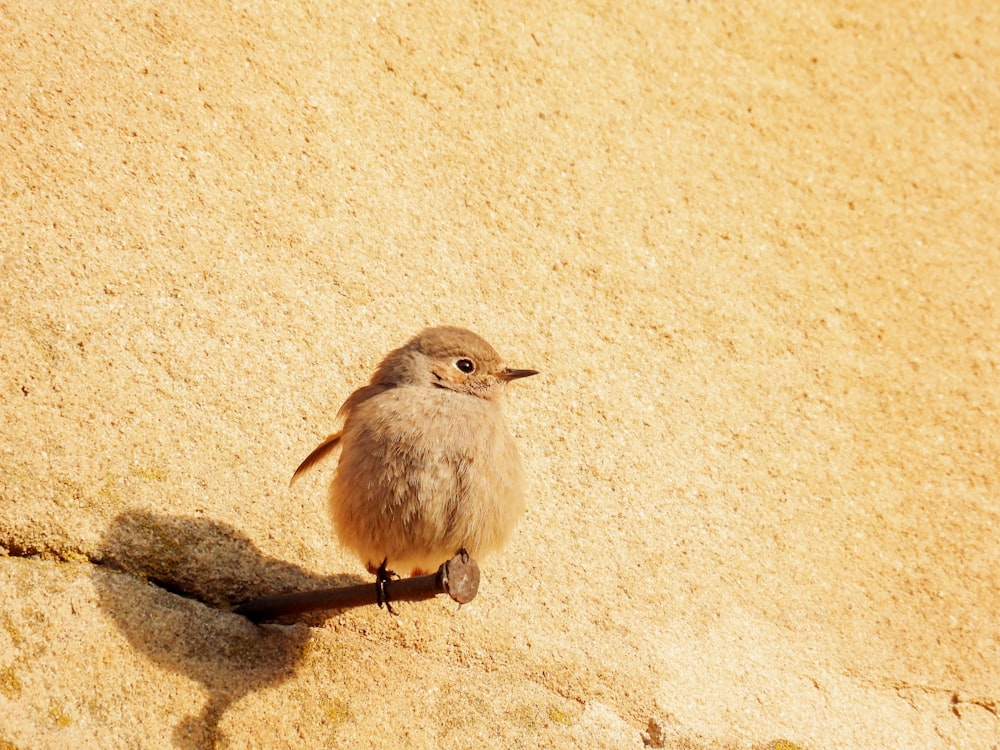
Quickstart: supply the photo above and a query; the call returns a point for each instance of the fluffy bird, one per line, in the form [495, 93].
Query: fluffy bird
[427, 465]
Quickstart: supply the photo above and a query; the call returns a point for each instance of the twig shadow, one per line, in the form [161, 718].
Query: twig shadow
[201, 564]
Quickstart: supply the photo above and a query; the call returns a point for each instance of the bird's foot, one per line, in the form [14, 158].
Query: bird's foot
[382, 577]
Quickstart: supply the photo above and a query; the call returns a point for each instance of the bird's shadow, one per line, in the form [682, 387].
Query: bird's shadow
[202, 564]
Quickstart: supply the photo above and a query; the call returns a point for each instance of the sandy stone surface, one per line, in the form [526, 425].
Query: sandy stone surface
[753, 248]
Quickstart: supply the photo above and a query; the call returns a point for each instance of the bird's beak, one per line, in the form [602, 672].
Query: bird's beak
[509, 374]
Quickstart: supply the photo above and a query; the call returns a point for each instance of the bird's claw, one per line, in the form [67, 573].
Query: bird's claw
[382, 577]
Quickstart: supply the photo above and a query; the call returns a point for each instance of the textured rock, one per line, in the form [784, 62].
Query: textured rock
[752, 249]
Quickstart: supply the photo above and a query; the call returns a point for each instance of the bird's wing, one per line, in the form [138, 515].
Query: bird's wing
[358, 397]
[361, 395]
[318, 454]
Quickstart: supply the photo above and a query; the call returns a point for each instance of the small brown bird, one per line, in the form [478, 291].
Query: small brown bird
[427, 466]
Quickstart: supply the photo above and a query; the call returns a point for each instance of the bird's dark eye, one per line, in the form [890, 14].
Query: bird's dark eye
[465, 365]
